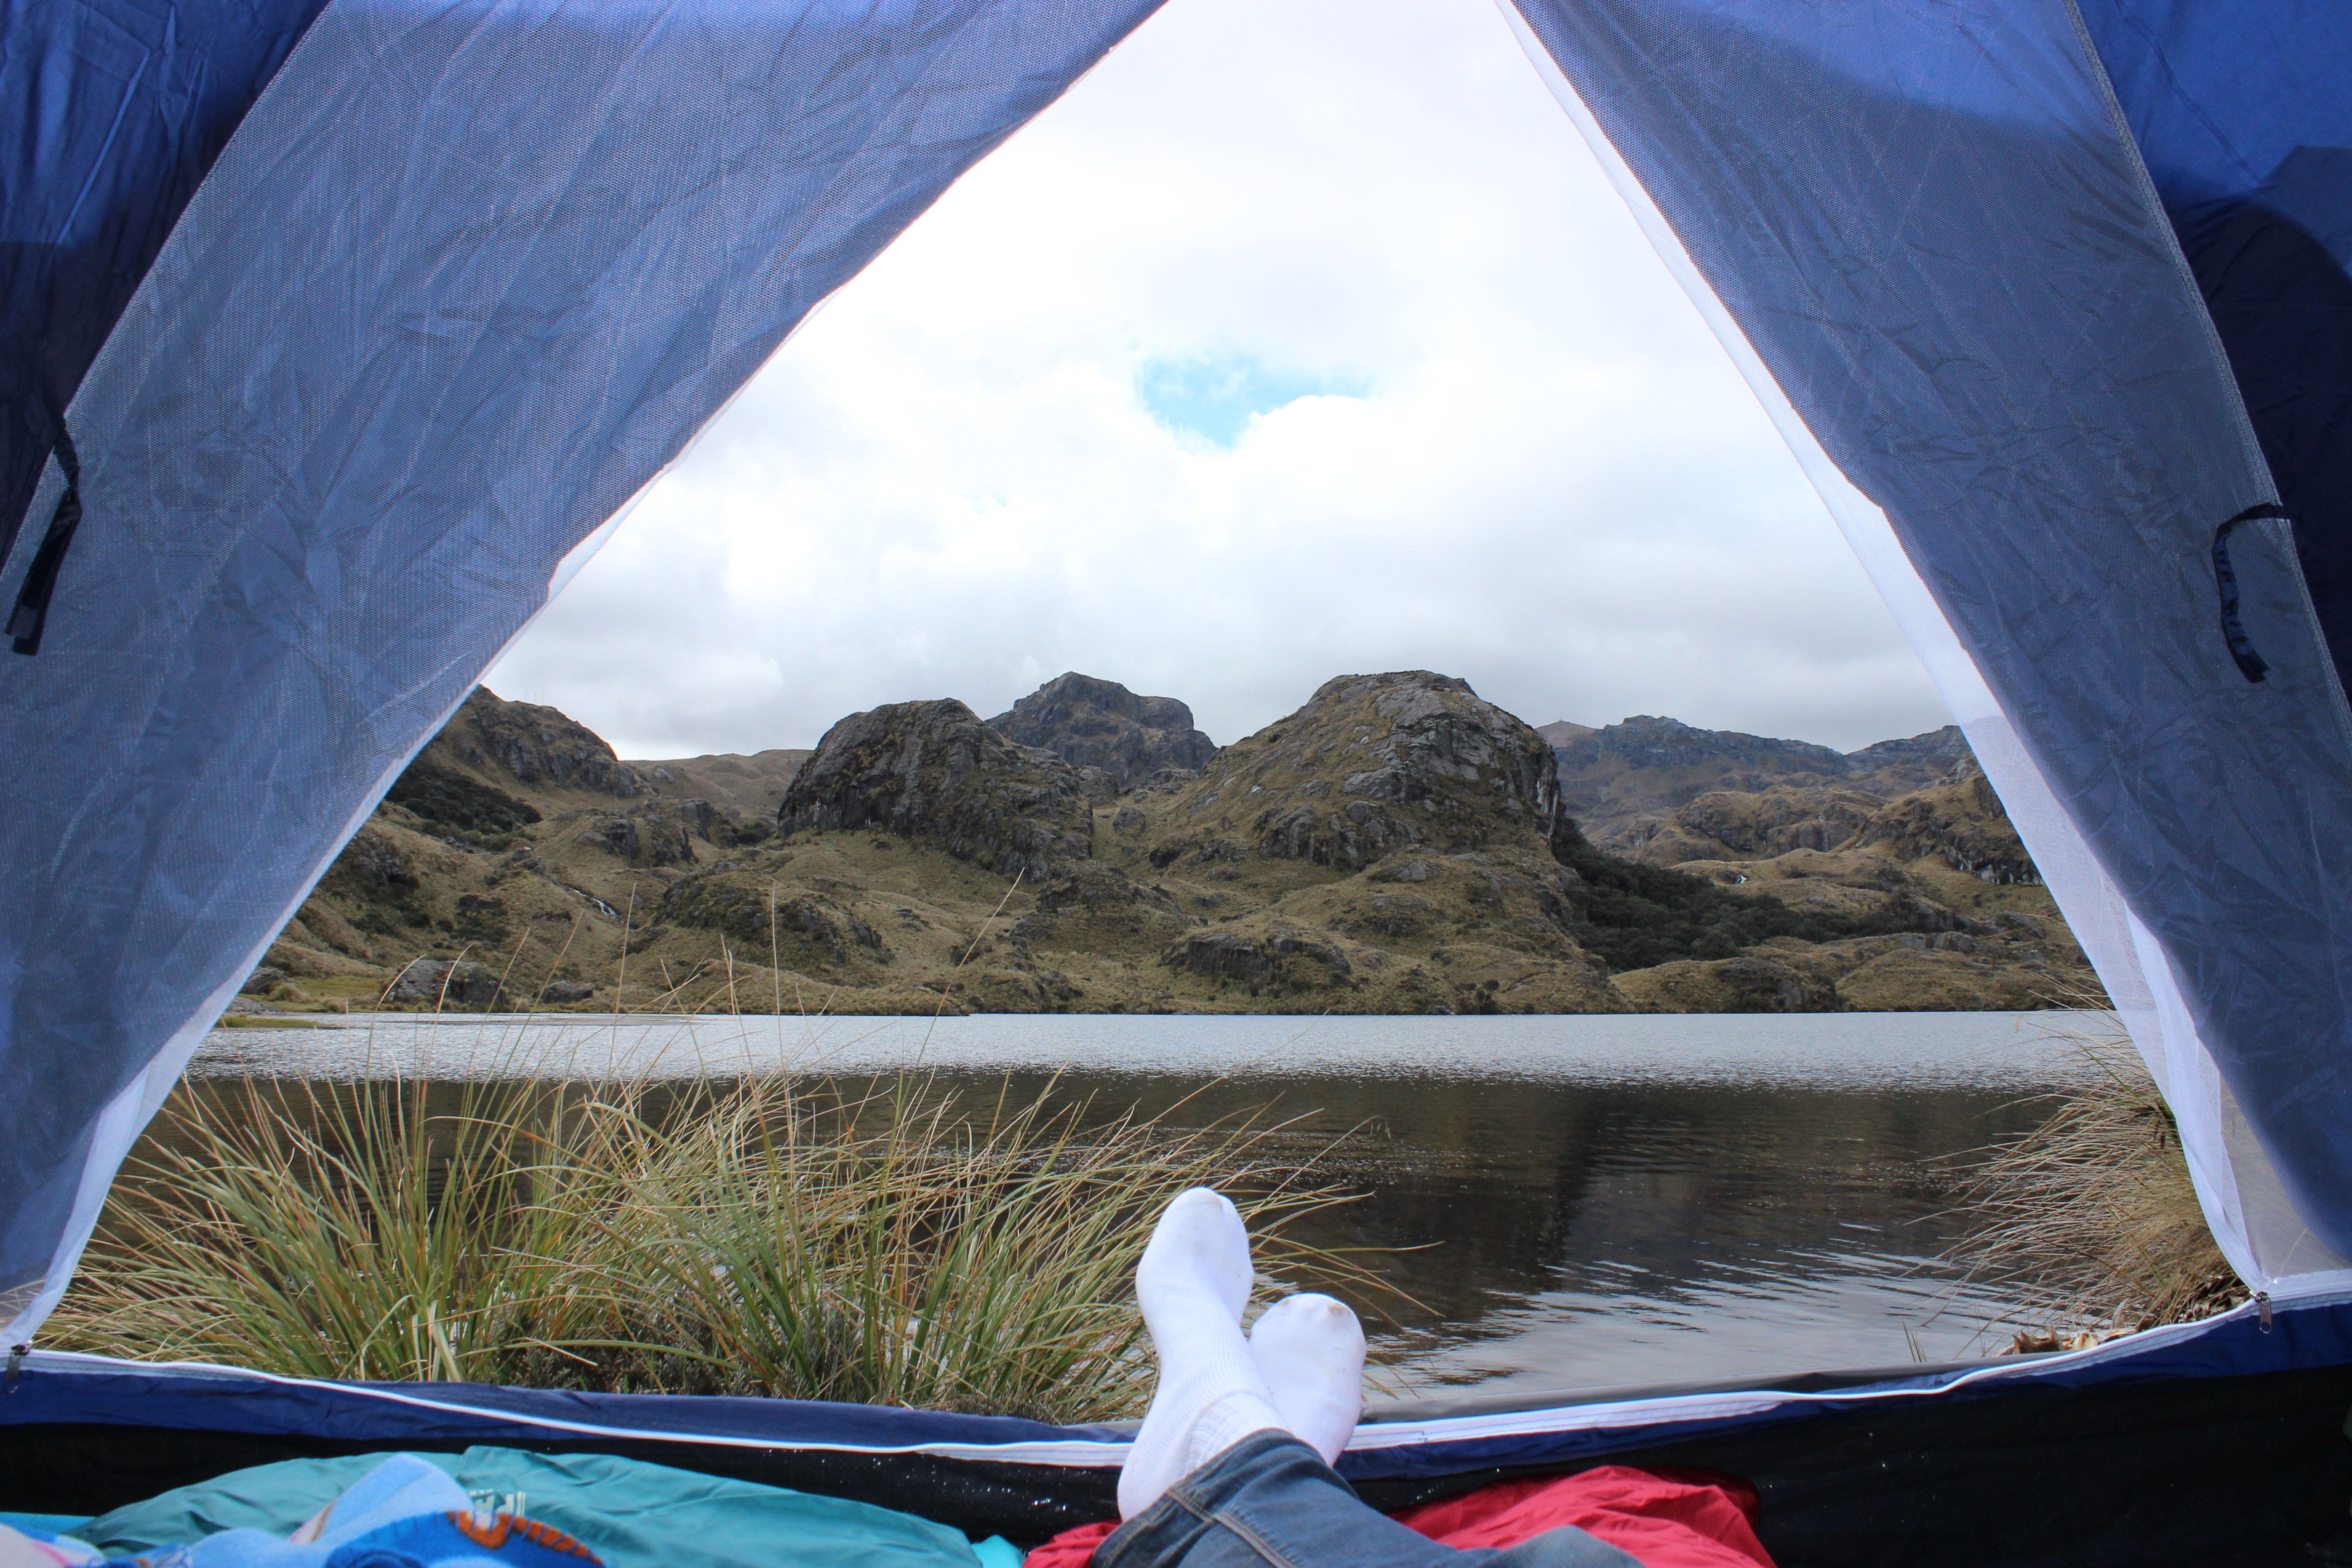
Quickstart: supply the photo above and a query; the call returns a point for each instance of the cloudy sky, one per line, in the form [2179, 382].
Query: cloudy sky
[1302, 338]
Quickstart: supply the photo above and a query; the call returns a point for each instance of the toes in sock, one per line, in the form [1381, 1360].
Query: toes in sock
[1310, 1351]
[1192, 1283]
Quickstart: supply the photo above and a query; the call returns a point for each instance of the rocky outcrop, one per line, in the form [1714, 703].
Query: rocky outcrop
[1373, 764]
[1093, 723]
[371, 858]
[1724, 824]
[1960, 822]
[1898, 767]
[536, 746]
[461, 987]
[659, 835]
[1259, 957]
[744, 911]
[933, 771]
[450, 801]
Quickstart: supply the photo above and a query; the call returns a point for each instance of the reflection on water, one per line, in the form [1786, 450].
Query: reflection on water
[1610, 1199]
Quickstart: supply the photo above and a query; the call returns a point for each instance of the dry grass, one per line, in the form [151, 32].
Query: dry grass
[2092, 1215]
[765, 1235]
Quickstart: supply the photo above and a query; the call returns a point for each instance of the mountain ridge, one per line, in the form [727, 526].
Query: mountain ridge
[1395, 845]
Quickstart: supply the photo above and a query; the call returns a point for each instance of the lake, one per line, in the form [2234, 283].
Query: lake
[1589, 1200]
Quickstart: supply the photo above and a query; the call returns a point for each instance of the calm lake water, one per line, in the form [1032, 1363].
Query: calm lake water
[1595, 1200]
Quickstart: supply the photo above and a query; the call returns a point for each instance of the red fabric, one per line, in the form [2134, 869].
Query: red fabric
[1665, 1518]
[1074, 1548]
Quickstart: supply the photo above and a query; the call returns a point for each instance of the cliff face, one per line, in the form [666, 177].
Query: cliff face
[1092, 723]
[932, 771]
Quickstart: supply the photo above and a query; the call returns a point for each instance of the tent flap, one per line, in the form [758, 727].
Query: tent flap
[518, 252]
[1934, 227]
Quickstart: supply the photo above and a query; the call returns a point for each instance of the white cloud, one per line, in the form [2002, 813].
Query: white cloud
[1534, 466]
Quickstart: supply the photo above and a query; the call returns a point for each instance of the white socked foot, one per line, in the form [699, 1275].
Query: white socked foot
[1310, 1351]
[1192, 1285]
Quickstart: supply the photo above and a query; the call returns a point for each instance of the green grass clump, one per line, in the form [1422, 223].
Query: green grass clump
[759, 1236]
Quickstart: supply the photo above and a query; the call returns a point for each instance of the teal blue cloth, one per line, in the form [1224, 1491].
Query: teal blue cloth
[65, 1523]
[629, 1513]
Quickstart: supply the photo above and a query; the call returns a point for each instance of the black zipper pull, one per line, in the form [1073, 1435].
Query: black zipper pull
[2262, 1301]
[31, 616]
[2251, 664]
[16, 1354]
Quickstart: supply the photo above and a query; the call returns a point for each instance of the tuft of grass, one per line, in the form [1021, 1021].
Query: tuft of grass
[2092, 1214]
[757, 1236]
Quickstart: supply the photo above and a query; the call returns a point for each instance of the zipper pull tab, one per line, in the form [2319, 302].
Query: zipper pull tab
[16, 1354]
[2262, 1301]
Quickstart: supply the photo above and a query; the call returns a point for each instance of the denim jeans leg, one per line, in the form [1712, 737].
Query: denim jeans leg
[1269, 1503]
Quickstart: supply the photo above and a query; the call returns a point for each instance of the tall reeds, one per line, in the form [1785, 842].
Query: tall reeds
[760, 1236]
[2091, 1216]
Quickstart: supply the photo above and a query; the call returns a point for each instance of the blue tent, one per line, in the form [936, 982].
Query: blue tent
[332, 336]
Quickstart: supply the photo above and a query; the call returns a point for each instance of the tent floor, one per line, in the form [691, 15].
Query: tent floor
[2215, 1471]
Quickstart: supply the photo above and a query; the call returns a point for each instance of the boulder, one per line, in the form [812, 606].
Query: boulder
[375, 859]
[1093, 723]
[1259, 957]
[261, 981]
[932, 772]
[461, 987]
[661, 833]
[562, 993]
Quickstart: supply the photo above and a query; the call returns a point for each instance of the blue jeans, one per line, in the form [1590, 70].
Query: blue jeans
[1269, 1503]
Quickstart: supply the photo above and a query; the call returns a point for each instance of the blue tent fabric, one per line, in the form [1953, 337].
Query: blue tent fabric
[118, 110]
[51, 1387]
[2245, 117]
[54, 1389]
[1934, 227]
[518, 252]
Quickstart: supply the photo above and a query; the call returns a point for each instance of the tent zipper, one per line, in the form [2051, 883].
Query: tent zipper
[2251, 664]
[31, 616]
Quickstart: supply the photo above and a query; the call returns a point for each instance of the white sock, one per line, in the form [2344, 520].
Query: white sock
[1310, 1351]
[1192, 1283]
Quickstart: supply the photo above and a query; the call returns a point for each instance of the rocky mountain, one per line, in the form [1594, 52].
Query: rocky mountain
[1612, 778]
[1373, 763]
[933, 773]
[1101, 724]
[1396, 845]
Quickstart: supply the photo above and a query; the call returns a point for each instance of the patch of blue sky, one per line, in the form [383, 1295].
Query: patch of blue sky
[1216, 398]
